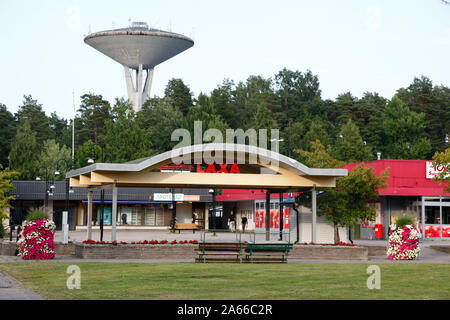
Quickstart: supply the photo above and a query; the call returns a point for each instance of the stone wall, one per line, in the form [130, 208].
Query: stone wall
[8, 248]
[166, 252]
[174, 252]
[328, 252]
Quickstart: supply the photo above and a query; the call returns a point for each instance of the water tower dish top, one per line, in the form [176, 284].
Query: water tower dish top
[139, 44]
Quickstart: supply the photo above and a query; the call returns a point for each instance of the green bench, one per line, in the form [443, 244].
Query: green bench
[270, 252]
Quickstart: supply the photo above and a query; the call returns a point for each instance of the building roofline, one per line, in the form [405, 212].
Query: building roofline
[138, 165]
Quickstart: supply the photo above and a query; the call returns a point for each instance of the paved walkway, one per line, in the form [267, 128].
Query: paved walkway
[11, 289]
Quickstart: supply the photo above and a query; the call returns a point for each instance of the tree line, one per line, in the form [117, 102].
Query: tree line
[413, 124]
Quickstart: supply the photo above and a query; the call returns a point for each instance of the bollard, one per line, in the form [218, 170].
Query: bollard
[65, 228]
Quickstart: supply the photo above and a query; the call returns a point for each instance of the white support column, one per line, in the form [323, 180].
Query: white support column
[138, 92]
[139, 75]
[314, 215]
[148, 85]
[89, 215]
[114, 213]
[440, 216]
[130, 86]
[423, 218]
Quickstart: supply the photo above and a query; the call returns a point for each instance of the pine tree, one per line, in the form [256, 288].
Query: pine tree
[179, 95]
[7, 131]
[24, 152]
[94, 111]
[404, 132]
[124, 140]
[349, 146]
[32, 111]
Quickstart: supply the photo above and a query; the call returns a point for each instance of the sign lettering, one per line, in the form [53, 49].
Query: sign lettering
[223, 168]
[167, 197]
[433, 171]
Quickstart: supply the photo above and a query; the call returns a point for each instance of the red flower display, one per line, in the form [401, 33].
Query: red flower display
[153, 242]
[37, 240]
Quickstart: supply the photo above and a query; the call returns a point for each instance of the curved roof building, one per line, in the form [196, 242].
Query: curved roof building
[139, 48]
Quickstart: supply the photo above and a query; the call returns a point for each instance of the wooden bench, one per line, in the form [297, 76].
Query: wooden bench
[220, 252]
[186, 226]
[270, 252]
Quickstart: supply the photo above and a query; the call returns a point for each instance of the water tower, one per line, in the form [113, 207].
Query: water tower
[139, 48]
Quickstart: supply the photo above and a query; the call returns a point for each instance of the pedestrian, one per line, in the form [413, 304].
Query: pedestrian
[232, 222]
[244, 222]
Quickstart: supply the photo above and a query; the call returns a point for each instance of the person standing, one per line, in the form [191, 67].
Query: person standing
[232, 222]
[244, 223]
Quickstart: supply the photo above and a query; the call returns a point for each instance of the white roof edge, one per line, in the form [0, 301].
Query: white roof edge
[281, 160]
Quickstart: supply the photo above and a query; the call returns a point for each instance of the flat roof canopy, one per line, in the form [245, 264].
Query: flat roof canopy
[219, 166]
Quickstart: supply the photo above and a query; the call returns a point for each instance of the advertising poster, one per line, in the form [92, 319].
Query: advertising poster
[106, 216]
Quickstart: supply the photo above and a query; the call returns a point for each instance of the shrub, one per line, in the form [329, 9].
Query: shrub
[403, 221]
[37, 214]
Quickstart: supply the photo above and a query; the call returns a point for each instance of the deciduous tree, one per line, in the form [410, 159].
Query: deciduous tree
[442, 159]
[346, 204]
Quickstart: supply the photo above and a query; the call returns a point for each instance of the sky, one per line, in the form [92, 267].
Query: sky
[352, 46]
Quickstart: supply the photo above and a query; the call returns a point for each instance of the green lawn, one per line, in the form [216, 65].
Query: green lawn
[175, 281]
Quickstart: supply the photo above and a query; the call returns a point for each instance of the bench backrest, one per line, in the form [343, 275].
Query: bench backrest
[218, 246]
[186, 225]
[268, 247]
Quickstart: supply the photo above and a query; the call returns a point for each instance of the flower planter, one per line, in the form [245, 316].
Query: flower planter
[403, 243]
[328, 252]
[136, 251]
[36, 240]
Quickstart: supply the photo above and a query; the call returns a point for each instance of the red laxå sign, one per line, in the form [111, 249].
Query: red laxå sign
[223, 168]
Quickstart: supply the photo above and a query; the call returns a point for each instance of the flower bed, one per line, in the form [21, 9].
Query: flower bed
[403, 243]
[36, 240]
[187, 250]
[144, 242]
[326, 244]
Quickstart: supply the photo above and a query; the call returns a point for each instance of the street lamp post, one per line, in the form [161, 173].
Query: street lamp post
[174, 210]
[68, 190]
[213, 193]
[281, 215]
[102, 191]
[64, 226]
[48, 187]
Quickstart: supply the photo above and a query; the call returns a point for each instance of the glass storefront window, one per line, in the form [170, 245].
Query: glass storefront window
[136, 216]
[154, 216]
[124, 217]
[432, 215]
[446, 215]
[141, 215]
